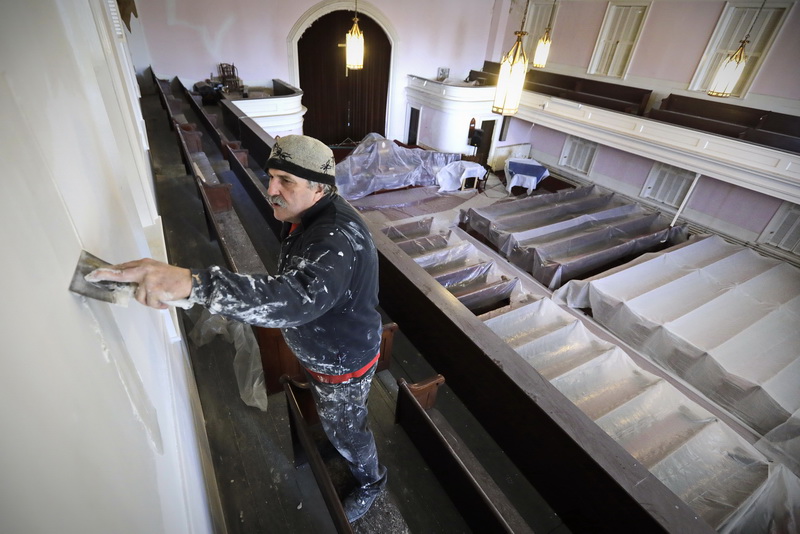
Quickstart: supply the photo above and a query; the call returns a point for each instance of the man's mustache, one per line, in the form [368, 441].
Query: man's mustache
[276, 200]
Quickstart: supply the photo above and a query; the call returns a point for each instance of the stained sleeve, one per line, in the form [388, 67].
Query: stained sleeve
[314, 280]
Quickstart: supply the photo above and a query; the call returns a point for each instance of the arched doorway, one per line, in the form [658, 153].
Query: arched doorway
[343, 104]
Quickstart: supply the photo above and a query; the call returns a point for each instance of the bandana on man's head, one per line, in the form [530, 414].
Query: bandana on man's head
[305, 157]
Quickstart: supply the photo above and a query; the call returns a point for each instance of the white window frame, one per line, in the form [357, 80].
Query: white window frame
[609, 29]
[538, 17]
[667, 184]
[578, 143]
[735, 20]
[788, 213]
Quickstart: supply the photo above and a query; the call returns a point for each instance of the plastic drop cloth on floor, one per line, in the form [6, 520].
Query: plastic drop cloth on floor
[378, 163]
[247, 360]
[720, 316]
[729, 483]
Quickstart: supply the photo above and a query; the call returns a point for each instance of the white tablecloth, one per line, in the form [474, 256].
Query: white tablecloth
[524, 172]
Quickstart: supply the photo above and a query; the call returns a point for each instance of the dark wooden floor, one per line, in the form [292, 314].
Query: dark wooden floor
[251, 460]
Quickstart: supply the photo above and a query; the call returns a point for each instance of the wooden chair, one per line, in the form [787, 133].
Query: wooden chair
[229, 77]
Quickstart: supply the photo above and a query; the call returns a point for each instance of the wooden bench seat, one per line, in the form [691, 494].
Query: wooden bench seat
[780, 123]
[601, 101]
[705, 124]
[781, 141]
[480, 501]
[768, 128]
[302, 416]
[711, 109]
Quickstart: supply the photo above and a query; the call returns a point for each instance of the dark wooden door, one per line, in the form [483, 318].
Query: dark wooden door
[343, 105]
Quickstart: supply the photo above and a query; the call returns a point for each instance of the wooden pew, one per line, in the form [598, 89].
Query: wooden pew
[772, 139]
[480, 501]
[631, 99]
[598, 93]
[601, 101]
[302, 415]
[710, 109]
[776, 130]
[780, 123]
[590, 481]
[705, 124]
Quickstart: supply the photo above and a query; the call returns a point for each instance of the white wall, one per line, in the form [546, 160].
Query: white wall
[97, 429]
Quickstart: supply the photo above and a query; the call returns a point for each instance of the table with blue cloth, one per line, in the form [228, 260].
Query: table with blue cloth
[524, 172]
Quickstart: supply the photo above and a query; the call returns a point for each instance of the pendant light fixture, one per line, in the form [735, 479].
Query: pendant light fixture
[732, 67]
[354, 43]
[511, 80]
[543, 46]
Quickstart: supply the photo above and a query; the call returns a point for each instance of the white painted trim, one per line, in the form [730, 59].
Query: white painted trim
[685, 200]
[323, 8]
[595, 59]
[777, 221]
[122, 76]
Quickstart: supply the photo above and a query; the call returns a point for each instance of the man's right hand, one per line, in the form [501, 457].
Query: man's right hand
[159, 283]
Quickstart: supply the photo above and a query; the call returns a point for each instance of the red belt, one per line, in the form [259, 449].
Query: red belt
[338, 379]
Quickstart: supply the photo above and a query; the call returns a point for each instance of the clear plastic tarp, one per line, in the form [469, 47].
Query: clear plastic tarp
[247, 360]
[720, 316]
[377, 164]
[561, 236]
[731, 484]
[461, 265]
[408, 203]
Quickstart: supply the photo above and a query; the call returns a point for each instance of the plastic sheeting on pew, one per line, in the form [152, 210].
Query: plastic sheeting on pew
[377, 164]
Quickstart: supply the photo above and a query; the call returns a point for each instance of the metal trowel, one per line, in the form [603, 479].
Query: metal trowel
[119, 293]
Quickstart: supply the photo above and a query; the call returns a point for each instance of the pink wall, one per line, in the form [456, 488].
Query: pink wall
[519, 131]
[740, 207]
[663, 53]
[779, 75]
[547, 141]
[189, 38]
[542, 139]
[623, 167]
[575, 31]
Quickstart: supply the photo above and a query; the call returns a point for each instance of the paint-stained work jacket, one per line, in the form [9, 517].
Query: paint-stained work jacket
[323, 298]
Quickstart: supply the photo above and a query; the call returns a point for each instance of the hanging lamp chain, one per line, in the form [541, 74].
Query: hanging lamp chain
[525, 16]
[753, 24]
[552, 14]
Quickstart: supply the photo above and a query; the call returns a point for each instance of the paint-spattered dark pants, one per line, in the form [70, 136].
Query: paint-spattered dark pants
[342, 410]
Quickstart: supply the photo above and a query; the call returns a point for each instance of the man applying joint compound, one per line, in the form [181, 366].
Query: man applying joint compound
[323, 299]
